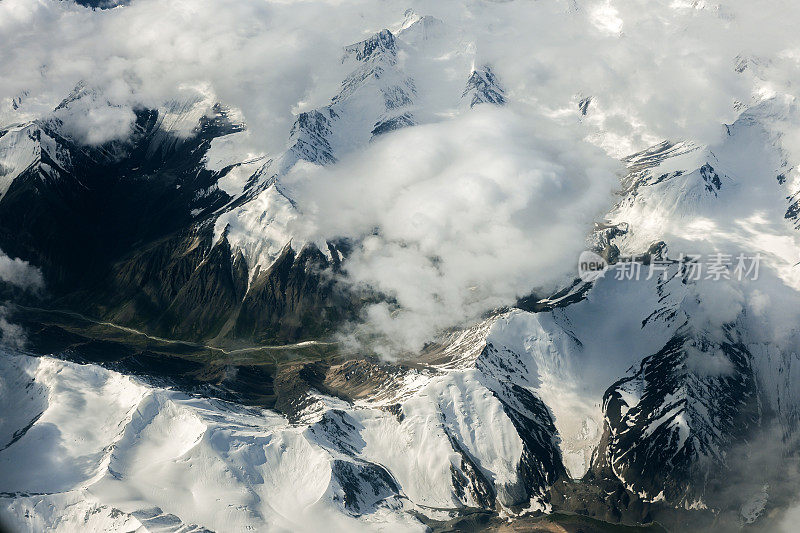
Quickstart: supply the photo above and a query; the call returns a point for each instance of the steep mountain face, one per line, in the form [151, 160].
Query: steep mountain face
[102, 4]
[669, 426]
[180, 237]
[113, 196]
[483, 87]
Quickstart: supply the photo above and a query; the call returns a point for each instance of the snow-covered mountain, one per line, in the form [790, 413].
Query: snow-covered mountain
[378, 96]
[493, 418]
[196, 364]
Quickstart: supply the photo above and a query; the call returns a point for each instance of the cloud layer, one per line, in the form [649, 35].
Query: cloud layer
[666, 71]
[458, 217]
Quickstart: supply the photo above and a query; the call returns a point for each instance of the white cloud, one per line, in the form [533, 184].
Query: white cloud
[470, 214]
[788, 524]
[476, 192]
[20, 273]
[27, 277]
[93, 124]
[712, 363]
[667, 71]
[262, 57]
[11, 335]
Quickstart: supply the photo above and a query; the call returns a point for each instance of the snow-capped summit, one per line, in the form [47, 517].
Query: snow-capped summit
[483, 87]
[381, 43]
[417, 29]
[30, 147]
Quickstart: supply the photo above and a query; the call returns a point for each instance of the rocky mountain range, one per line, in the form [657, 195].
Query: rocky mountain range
[188, 363]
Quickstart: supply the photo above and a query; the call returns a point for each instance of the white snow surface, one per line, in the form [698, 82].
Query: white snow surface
[21, 148]
[140, 453]
[261, 229]
[106, 452]
[131, 452]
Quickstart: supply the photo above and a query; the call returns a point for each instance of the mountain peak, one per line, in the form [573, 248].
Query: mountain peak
[483, 87]
[382, 42]
[415, 27]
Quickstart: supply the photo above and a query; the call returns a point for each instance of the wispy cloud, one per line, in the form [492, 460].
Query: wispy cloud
[20, 273]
